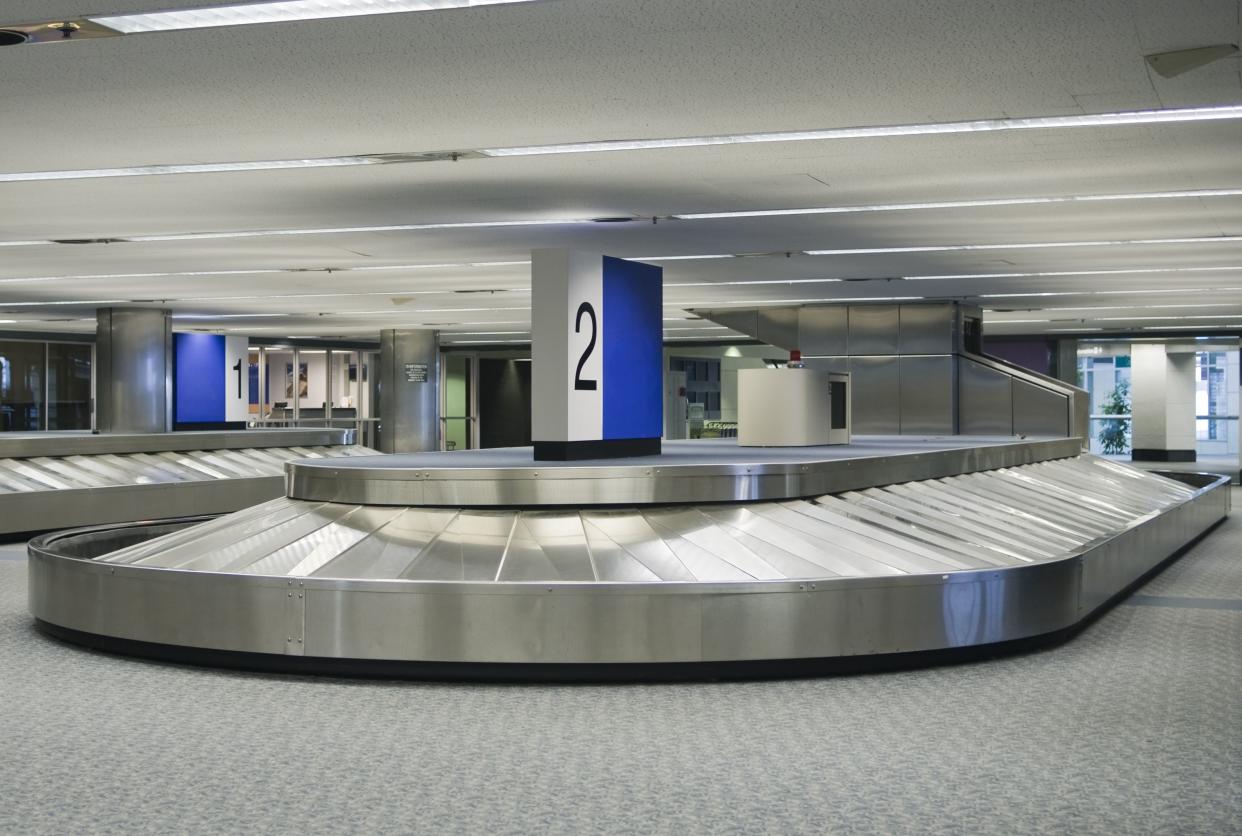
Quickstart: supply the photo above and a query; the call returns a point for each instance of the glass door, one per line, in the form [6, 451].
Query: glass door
[459, 426]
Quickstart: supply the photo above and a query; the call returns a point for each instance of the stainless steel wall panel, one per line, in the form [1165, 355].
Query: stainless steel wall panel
[873, 329]
[778, 326]
[823, 330]
[1037, 411]
[133, 359]
[409, 395]
[927, 396]
[876, 395]
[927, 329]
[985, 400]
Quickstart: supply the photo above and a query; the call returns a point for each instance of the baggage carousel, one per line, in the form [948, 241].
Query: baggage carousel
[707, 561]
[53, 480]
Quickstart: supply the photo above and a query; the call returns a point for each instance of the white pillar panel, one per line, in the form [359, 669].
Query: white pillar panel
[236, 378]
[1162, 403]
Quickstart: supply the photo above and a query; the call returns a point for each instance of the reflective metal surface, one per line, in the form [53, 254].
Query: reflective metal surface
[984, 395]
[134, 359]
[985, 399]
[688, 471]
[927, 386]
[409, 390]
[30, 445]
[921, 565]
[158, 477]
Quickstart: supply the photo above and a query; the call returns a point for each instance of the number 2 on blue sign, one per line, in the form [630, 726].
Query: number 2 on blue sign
[585, 308]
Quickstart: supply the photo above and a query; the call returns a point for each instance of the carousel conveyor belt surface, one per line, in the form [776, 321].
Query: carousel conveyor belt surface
[975, 554]
[57, 480]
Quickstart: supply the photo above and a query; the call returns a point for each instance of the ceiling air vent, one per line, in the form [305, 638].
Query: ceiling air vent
[10, 38]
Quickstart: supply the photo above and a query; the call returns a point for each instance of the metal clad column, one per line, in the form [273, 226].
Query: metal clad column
[1162, 403]
[409, 391]
[133, 355]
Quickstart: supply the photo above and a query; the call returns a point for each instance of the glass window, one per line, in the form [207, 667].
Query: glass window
[21, 386]
[1216, 403]
[68, 386]
[1107, 381]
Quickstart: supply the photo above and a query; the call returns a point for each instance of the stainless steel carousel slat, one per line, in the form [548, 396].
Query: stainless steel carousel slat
[1014, 496]
[390, 550]
[886, 521]
[758, 532]
[469, 549]
[1072, 494]
[972, 534]
[562, 547]
[987, 514]
[878, 537]
[693, 525]
[631, 532]
[207, 537]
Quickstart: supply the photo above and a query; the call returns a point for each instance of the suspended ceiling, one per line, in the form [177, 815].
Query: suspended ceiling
[577, 70]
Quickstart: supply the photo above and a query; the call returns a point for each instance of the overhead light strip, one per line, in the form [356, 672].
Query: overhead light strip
[1104, 292]
[1064, 273]
[882, 207]
[286, 11]
[1084, 120]
[312, 9]
[1217, 239]
[268, 271]
[961, 204]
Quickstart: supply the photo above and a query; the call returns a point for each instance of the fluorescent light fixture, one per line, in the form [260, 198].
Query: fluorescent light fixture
[261, 233]
[245, 14]
[695, 304]
[1070, 330]
[1157, 318]
[1133, 271]
[185, 168]
[270, 271]
[1218, 239]
[24, 243]
[1015, 321]
[752, 282]
[961, 204]
[682, 257]
[1084, 120]
[480, 342]
[65, 302]
[228, 316]
[1185, 327]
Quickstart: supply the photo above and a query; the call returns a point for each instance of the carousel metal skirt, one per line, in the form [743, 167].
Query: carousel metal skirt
[895, 571]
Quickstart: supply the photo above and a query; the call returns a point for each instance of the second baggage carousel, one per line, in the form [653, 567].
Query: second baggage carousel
[709, 560]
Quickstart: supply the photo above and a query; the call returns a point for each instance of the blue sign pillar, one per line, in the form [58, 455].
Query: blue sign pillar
[597, 351]
[210, 382]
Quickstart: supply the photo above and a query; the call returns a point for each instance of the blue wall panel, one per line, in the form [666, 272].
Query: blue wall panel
[198, 389]
[632, 337]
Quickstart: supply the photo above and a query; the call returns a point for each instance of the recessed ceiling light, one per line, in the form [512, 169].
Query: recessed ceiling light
[1085, 120]
[285, 11]
[960, 204]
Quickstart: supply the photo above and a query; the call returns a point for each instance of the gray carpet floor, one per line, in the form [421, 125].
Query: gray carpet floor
[1135, 726]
